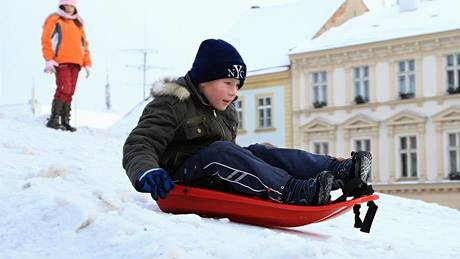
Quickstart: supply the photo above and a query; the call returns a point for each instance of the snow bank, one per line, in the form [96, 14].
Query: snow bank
[66, 195]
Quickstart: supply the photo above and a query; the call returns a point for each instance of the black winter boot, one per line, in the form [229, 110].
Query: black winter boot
[65, 118]
[361, 165]
[358, 166]
[56, 108]
[309, 192]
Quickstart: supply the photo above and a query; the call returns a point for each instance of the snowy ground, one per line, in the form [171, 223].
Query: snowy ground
[65, 195]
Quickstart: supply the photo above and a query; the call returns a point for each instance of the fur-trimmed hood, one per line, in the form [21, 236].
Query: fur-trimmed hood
[181, 88]
[169, 86]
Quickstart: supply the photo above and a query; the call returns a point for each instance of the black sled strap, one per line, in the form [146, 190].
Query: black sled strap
[357, 188]
[369, 218]
[358, 221]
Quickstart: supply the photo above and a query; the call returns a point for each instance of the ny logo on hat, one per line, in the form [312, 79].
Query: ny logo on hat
[236, 72]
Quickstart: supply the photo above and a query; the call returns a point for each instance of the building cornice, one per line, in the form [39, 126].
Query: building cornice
[374, 105]
[397, 188]
[381, 50]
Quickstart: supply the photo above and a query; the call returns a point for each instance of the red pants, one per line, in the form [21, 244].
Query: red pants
[66, 81]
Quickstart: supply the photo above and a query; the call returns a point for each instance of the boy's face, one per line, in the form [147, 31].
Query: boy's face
[221, 92]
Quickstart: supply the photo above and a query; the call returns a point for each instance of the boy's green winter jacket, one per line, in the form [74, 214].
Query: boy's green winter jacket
[175, 126]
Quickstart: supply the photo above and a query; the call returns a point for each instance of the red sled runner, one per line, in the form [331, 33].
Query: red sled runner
[215, 204]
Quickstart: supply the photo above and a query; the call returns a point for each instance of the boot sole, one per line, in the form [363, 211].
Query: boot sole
[56, 127]
[364, 166]
[325, 180]
[68, 129]
[60, 127]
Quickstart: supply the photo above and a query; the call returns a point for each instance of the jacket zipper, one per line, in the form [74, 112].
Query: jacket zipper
[220, 125]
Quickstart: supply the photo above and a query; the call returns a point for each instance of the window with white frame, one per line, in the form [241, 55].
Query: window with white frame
[408, 156]
[362, 145]
[406, 78]
[361, 84]
[453, 73]
[454, 152]
[319, 82]
[239, 111]
[321, 148]
[265, 112]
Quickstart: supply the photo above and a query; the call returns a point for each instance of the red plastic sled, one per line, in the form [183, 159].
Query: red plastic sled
[215, 204]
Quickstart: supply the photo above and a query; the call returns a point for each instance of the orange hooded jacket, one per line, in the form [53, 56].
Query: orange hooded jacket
[64, 41]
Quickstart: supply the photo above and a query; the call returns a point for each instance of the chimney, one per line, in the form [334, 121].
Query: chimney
[408, 5]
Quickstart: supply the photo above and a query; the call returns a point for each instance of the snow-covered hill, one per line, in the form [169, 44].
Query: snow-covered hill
[66, 195]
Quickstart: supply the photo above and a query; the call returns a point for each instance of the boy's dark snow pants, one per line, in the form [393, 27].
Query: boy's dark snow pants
[257, 170]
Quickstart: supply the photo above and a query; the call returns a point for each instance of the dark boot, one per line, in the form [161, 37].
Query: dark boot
[358, 166]
[65, 118]
[324, 181]
[361, 165]
[309, 192]
[56, 109]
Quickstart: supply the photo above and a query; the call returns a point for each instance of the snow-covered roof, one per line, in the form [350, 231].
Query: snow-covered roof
[264, 35]
[130, 119]
[388, 23]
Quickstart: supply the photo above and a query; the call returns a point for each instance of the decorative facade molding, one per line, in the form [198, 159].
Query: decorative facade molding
[360, 126]
[449, 187]
[406, 122]
[319, 129]
[392, 103]
[446, 121]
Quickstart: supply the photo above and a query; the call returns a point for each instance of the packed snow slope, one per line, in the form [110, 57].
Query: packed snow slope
[66, 195]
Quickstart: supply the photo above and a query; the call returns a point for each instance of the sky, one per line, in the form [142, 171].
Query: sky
[117, 31]
[66, 195]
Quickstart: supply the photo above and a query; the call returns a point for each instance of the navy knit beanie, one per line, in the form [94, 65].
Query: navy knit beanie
[217, 59]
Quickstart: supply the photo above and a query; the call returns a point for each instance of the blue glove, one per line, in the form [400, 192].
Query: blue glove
[156, 182]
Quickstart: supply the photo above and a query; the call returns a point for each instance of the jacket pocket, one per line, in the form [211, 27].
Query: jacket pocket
[195, 127]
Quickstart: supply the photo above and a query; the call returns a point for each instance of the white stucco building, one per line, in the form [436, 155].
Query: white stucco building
[387, 81]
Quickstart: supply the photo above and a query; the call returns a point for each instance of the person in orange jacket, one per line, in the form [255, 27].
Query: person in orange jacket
[65, 50]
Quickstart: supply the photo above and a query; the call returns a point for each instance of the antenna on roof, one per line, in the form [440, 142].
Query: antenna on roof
[144, 67]
[108, 102]
[33, 99]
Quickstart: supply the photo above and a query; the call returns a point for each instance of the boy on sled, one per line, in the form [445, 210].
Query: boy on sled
[186, 135]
